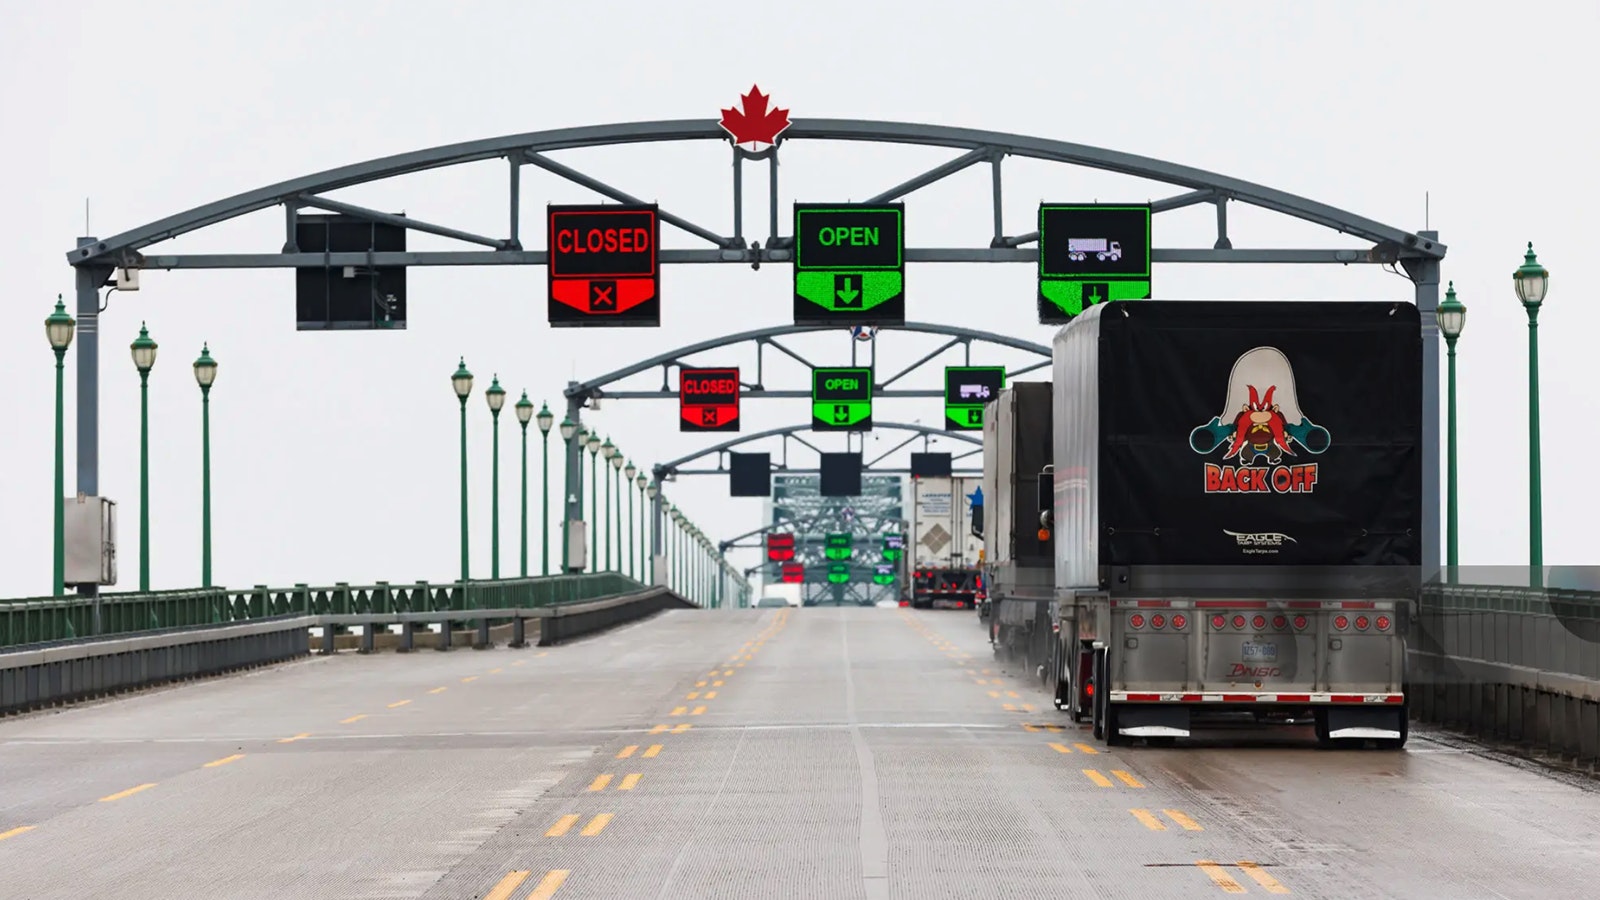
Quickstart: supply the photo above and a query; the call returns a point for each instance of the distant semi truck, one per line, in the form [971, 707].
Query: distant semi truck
[944, 549]
[1237, 512]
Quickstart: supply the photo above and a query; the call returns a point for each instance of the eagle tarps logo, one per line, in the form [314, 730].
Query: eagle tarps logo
[1261, 420]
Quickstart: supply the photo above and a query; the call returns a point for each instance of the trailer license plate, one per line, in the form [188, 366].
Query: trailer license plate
[1255, 651]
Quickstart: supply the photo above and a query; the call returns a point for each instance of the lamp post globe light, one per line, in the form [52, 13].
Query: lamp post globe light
[205, 374]
[461, 381]
[1532, 282]
[608, 451]
[1452, 315]
[545, 419]
[568, 430]
[58, 327]
[524, 408]
[496, 395]
[144, 359]
[628, 471]
[593, 444]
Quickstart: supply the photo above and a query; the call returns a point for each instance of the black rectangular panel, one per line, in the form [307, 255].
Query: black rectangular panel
[338, 298]
[1332, 477]
[749, 474]
[841, 475]
[930, 465]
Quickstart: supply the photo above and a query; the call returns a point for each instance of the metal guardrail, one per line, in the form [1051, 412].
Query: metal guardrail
[50, 620]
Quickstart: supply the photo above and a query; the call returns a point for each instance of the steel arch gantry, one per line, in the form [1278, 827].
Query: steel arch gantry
[667, 470]
[94, 259]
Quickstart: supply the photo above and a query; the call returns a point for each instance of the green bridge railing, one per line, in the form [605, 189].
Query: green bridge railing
[44, 620]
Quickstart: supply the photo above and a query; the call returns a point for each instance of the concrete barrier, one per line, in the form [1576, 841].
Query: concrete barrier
[67, 672]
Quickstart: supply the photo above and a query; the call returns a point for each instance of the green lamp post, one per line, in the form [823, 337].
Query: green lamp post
[594, 500]
[614, 512]
[524, 409]
[144, 359]
[569, 428]
[628, 471]
[545, 420]
[205, 373]
[644, 519]
[607, 451]
[58, 327]
[1532, 282]
[1452, 315]
[651, 533]
[496, 395]
[461, 381]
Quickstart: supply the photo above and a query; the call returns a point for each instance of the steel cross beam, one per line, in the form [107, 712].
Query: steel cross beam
[672, 466]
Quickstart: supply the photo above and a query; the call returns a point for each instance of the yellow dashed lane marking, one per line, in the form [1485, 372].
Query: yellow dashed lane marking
[680, 729]
[693, 695]
[698, 710]
[520, 662]
[728, 672]
[995, 694]
[1148, 820]
[652, 751]
[711, 695]
[355, 718]
[716, 684]
[299, 737]
[1012, 694]
[678, 710]
[1061, 748]
[496, 671]
[1262, 878]
[223, 761]
[469, 678]
[511, 882]
[562, 825]
[599, 783]
[1086, 749]
[398, 703]
[699, 684]
[596, 825]
[1222, 879]
[627, 751]
[1010, 707]
[658, 729]
[628, 781]
[1126, 778]
[127, 793]
[21, 829]
[1097, 778]
[438, 690]
[1187, 823]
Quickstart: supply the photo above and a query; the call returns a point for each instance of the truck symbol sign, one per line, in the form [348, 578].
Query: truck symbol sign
[1078, 249]
[969, 391]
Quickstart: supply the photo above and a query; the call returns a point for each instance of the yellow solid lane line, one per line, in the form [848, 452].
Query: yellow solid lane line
[127, 793]
[1223, 879]
[1147, 820]
[1097, 778]
[20, 829]
[511, 882]
[628, 781]
[1126, 778]
[562, 825]
[627, 751]
[1272, 885]
[223, 761]
[299, 737]
[596, 825]
[1086, 749]
[652, 751]
[438, 690]
[1061, 748]
[1183, 820]
[599, 783]
[678, 710]
[680, 729]
[355, 718]
[711, 695]
[398, 703]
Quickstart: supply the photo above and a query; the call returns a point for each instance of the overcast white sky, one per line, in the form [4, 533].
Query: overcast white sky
[335, 455]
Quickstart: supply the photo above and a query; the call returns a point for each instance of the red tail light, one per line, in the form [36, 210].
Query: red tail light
[1299, 623]
[1158, 621]
[1341, 622]
[905, 602]
[1383, 623]
[1279, 621]
[1362, 623]
[1178, 620]
[1136, 620]
[1259, 622]
[1238, 621]
[1219, 621]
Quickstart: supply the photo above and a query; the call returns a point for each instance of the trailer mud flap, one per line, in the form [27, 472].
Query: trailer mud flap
[1365, 722]
[1167, 720]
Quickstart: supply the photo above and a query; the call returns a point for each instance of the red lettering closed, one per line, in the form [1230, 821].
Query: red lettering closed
[713, 386]
[603, 240]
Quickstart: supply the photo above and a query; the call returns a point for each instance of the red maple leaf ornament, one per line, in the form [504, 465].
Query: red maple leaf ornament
[754, 123]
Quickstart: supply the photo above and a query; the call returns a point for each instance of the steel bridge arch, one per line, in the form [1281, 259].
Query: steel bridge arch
[95, 259]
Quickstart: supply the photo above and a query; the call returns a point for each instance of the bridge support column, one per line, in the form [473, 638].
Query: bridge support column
[571, 502]
[483, 642]
[519, 633]
[1425, 275]
[87, 308]
[408, 637]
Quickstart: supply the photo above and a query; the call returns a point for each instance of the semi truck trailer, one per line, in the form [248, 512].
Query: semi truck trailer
[1019, 553]
[1237, 510]
[944, 545]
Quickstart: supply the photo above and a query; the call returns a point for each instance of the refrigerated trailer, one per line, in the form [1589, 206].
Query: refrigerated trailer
[944, 547]
[1238, 518]
[1019, 560]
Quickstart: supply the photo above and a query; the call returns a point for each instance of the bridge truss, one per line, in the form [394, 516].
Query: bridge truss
[95, 260]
